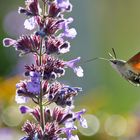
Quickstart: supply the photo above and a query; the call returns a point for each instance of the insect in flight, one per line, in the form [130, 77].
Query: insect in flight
[130, 70]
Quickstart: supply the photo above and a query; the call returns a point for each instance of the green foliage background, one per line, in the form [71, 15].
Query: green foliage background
[101, 25]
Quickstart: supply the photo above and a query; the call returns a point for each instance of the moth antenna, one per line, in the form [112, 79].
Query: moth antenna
[111, 55]
[114, 53]
[113, 50]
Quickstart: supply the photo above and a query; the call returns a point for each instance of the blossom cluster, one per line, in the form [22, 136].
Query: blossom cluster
[50, 36]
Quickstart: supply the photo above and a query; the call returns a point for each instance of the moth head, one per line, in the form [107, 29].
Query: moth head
[117, 63]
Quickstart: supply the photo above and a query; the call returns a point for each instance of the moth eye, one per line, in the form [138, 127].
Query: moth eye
[114, 62]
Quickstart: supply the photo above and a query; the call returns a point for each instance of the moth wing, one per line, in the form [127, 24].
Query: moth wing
[134, 62]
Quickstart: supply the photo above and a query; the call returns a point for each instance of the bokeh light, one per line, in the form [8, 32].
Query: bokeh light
[115, 125]
[9, 134]
[16, 20]
[11, 116]
[7, 89]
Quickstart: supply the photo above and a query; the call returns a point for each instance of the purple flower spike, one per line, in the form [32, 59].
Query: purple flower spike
[48, 40]
[7, 42]
[77, 69]
[25, 109]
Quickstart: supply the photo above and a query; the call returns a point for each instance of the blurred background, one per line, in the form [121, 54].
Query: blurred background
[112, 104]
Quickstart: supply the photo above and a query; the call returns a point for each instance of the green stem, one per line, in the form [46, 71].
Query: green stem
[44, 8]
[41, 92]
[42, 120]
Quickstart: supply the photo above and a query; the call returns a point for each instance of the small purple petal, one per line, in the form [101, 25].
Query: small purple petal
[79, 117]
[70, 20]
[69, 126]
[33, 87]
[25, 109]
[21, 10]
[30, 23]
[64, 4]
[35, 77]
[78, 114]
[18, 85]
[20, 99]
[7, 42]
[73, 62]
[69, 33]
[74, 137]
[65, 48]
[25, 138]
[77, 69]
[83, 122]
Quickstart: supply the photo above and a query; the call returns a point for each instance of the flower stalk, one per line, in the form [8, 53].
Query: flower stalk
[41, 92]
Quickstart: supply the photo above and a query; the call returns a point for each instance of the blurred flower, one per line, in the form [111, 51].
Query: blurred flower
[8, 93]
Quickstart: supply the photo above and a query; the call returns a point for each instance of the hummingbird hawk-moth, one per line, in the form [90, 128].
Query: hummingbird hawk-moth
[129, 70]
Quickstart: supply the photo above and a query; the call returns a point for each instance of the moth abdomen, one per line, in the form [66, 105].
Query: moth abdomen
[134, 78]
